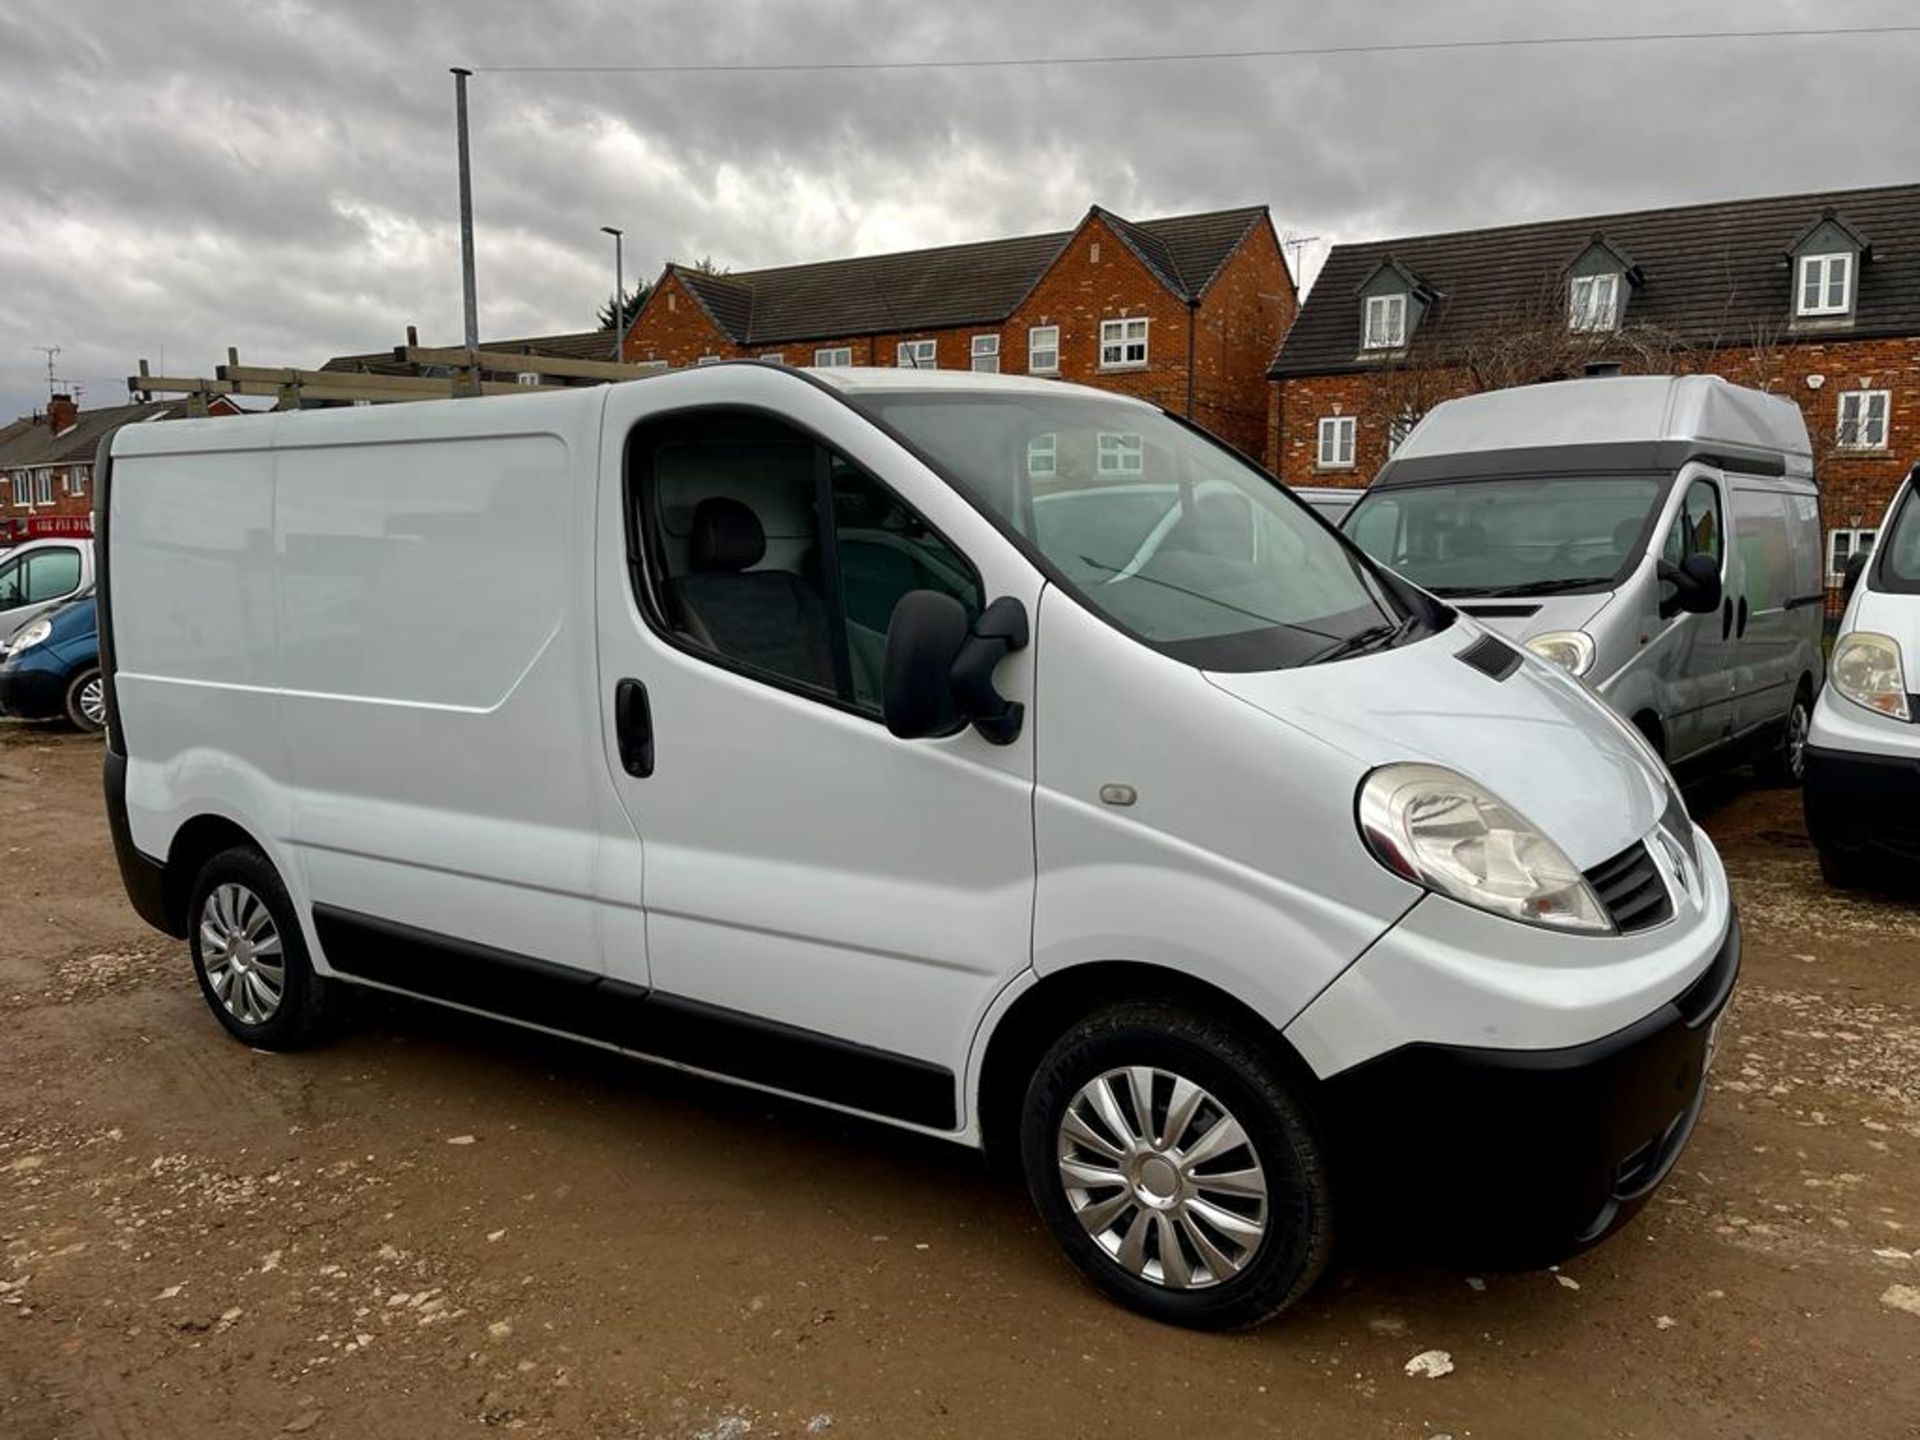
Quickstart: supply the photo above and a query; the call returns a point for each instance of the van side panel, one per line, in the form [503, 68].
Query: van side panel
[435, 666]
[195, 641]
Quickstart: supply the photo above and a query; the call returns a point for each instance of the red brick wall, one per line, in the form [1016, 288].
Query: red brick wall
[1237, 328]
[1241, 321]
[674, 327]
[1854, 487]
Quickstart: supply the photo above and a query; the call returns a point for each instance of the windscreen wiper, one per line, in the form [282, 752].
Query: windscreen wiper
[1545, 587]
[1373, 637]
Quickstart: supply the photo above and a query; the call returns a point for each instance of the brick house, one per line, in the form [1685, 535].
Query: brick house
[1812, 296]
[46, 462]
[1184, 312]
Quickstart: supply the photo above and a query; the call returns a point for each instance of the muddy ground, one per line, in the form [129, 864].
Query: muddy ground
[435, 1225]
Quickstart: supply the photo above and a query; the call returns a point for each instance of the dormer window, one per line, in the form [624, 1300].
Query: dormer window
[1826, 284]
[1825, 262]
[1594, 302]
[1386, 321]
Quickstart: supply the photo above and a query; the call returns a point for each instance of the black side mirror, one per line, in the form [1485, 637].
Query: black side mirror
[1850, 577]
[938, 674]
[1696, 585]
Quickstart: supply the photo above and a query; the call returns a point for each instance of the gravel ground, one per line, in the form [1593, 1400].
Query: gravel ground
[435, 1225]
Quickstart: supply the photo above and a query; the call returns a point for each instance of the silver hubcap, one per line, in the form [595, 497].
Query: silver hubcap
[93, 702]
[1797, 725]
[1163, 1178]
[240, 949]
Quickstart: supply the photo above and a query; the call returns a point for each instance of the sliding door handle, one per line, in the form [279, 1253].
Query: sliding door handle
[633, 727]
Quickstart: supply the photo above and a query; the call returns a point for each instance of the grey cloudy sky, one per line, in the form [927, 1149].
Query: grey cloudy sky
[279, 175]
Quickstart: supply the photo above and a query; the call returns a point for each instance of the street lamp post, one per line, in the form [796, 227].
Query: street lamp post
[619, 291]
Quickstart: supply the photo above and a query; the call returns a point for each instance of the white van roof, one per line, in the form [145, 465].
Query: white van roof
[1614, 422]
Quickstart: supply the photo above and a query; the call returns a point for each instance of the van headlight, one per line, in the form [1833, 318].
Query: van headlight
[29, 636]
[1439, 829]
[1571, 650]
[1866, 669]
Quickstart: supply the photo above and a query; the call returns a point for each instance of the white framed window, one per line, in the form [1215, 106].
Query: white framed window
[833, 357]
[1386, 321]
[1043, 350]
[986, 354]
[1119, 454]
[19, 489]
[527, 377]
[708, 359]
[1863, 420]
[1336, 443]
[43, 487]
[76, 480]
[1842, 546]
[1123, 343]
[1824, 283]
[1593, 302]
[1043, 457]
[917, 355]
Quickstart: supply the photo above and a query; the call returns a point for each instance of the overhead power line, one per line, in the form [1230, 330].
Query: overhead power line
[1290, 52]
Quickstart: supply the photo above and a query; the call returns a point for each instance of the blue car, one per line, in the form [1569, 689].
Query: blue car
[50, 670]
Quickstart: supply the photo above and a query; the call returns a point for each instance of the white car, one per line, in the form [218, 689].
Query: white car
[1863, 751]
[745, 719]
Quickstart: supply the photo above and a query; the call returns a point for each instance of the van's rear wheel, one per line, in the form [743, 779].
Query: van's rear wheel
[249, 955]
[1177, 1168]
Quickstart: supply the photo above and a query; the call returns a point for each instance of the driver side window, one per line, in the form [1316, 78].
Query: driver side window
[1696, 529]
[10, 593]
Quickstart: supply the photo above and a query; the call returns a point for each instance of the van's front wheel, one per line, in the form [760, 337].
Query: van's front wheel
[249, 955]
[1176, 1167]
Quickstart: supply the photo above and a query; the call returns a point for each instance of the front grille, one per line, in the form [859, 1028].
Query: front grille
[1631, 890]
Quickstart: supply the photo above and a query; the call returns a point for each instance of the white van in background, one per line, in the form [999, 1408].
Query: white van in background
[791, 727]
[1657, 536]
[36, 576]
[1863, 755]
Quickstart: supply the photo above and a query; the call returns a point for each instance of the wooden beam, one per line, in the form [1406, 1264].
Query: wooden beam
[333, 385]
[538, 364]
[271, 375]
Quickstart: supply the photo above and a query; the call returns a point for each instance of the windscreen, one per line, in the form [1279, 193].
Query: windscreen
[1165, 533]
[1517, 535]
[1900, 549]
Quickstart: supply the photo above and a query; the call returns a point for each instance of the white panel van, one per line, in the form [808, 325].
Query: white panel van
[992, 757]
[1658, 536]
[1863, 755]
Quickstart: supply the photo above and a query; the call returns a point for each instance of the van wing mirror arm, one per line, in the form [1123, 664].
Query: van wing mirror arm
[1000, 630]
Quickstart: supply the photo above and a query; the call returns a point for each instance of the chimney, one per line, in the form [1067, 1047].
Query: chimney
[62, 413]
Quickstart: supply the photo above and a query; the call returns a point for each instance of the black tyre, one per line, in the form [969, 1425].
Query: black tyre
[86, 702]
[1785, 762]
[1844, 870]
[1176, 1166]
[250, 957]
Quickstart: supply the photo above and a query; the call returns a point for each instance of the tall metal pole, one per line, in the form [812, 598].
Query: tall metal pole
[619, 292]
[466, 221]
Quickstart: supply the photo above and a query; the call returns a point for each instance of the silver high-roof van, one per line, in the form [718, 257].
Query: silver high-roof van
[1658, 536]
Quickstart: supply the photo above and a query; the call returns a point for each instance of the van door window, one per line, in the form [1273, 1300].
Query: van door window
[1696, 529]
[12, 594]
[50, 574]
[728, 506]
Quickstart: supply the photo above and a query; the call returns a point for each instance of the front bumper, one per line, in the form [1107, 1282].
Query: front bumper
[1520, 1158]
[1857, 802]
[30, 690]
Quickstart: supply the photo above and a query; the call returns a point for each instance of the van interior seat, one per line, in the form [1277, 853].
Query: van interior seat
[770, 619]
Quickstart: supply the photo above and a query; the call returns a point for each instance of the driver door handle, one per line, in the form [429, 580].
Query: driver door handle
[1740, 625]
[1726, 618]
[633, 727]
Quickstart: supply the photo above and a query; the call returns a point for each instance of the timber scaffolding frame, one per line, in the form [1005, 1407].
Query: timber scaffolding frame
[437, 374]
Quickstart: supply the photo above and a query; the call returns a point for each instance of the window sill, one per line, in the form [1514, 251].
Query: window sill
[1334, 469]
[1853, 452]
[1131, 365]
[1047, 374]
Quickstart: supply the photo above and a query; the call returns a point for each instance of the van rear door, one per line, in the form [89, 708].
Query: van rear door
[830, 910]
